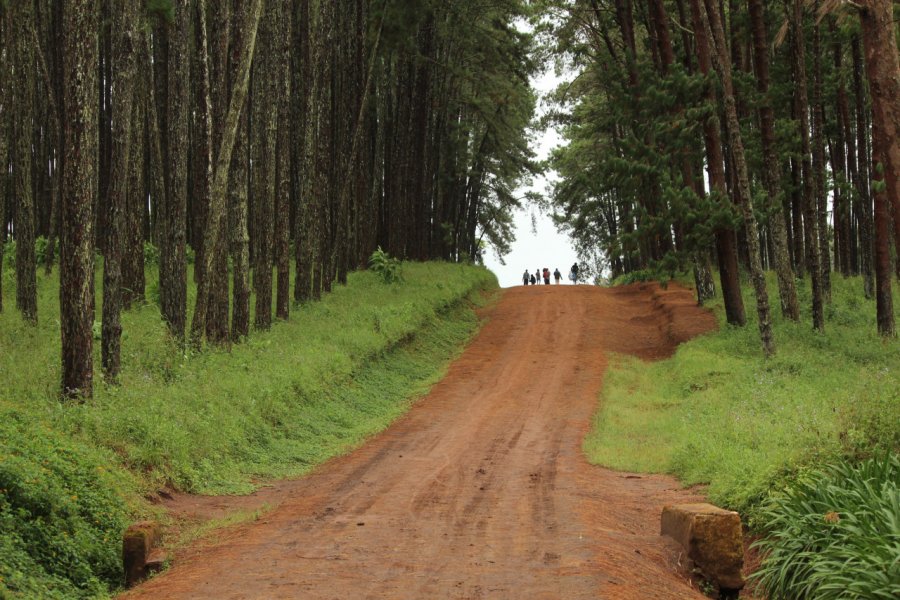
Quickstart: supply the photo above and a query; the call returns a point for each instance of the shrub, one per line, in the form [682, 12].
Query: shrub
[9, 254]
[151, 255]
[40, 251]
[834, 533]
[386, 265]
[635, 277]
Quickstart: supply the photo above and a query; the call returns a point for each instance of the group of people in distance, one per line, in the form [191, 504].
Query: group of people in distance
[535, 278]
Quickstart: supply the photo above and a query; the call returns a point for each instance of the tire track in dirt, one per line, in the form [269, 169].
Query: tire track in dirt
[481, 490]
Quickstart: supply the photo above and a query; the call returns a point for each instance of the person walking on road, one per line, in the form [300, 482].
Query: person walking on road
[557, 275]
[573, 274]
[546, 276]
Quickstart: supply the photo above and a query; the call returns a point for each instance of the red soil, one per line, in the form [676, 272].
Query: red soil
[481, 490]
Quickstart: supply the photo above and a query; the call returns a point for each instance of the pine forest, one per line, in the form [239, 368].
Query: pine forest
[253, 141]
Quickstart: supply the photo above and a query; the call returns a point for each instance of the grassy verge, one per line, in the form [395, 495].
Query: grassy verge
[275, 406]
[719, 414]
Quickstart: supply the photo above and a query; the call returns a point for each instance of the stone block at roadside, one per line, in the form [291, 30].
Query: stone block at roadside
[712, 539]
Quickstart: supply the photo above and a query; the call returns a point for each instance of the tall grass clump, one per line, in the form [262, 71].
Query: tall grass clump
[834, 533]
[285, 400]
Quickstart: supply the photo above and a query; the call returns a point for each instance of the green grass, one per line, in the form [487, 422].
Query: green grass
[275, 406]
[718, 413]
[788, 442]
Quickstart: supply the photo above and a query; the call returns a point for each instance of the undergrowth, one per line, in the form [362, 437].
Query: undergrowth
[72, 475]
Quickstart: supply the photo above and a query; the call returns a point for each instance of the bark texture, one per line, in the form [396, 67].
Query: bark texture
[24, 65]
[173, 259]
[125, 47]
[80, 23]
[726, 249]
[883, 72]
[218, 190]
[771, 172]
[743, 181]
[810, 217]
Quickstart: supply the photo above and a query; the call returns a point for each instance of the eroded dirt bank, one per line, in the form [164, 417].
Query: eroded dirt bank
[481, 491]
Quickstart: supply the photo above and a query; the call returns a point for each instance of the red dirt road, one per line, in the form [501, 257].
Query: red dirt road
[481, 490]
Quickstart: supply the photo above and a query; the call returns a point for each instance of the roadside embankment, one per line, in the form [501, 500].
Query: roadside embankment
[285, 400]
[718, 413]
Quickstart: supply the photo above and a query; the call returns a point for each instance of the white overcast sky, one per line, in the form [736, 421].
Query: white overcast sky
[542, 246]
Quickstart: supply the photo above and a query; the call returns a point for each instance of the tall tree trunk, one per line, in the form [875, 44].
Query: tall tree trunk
[810, 219]
[303, 155]
[725, 240]
[866, 241]
[157, 131]
[26, 268]
[240, 239]
[5, 131]
[883, 72]
[818, 145]
[879, 33]
[843, 165]
[282, 211]
[124, 51]
[323, 155]
[219, 188]
[221, 84]
[76, 273]
[49, 163]
[205, 253]
[265, 121]
[303, 234]
[757, 275]
[350, 172]
[238, 195]
[771, 171]
[883, 294]
[133, 232]
[798, 237]
[104, 120]
[173, 262]
[200, 150]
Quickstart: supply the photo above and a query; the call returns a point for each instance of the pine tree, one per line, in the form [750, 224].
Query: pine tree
[24, 66]
[125, 47]
[714, 21]
[5, 130]
[80, 26]
[810, 192]
[173, 218]
[216, 214]
[883, 72]
[771, 171]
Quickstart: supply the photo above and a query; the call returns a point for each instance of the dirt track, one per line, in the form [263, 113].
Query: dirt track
[482, 490]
